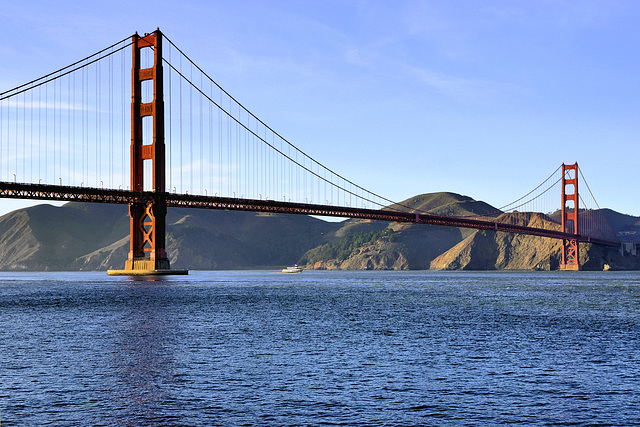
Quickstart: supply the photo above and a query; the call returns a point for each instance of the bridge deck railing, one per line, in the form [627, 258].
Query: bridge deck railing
[118, 196]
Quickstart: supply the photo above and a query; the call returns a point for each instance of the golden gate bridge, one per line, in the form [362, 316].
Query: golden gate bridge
[139, 123]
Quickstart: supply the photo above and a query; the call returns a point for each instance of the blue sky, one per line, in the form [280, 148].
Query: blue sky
[482, 98]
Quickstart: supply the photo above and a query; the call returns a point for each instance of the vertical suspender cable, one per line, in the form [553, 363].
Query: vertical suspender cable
[110, 106]
[237, 154]
[122, 127]
[98, 120]
[246, 159]
[14, 140]
[270, 171]
[59, 130]
[24, 136]
[46, 130]
[82, 128]
[72, 154]
[30, 140]
[87, 131]
[254, 166]
[191, 130]
[237, 166]
[15, 135]
[169, 174]
[39, 128]
[55, 108]
[57, 133]
[69, 113]
[181, 167]
[201, 157]
[2, 139]
[211, 139]
[1, 134]
[220, 148]
[229, 152]
[85, 122]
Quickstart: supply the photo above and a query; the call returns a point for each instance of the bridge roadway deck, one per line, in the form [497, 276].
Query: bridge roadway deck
[99, 195]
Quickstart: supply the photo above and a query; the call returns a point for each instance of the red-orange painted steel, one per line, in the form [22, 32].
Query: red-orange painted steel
[147, 218]
[101, 195]
[570, 224]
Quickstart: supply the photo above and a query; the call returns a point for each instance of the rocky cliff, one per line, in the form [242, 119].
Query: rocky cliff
[416, 246]
[488, 250]
[362, 244]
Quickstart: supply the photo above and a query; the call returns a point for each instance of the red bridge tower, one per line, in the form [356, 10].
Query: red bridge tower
[570, 224]
[147, 254]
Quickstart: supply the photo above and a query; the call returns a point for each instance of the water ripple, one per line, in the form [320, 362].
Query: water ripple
[321, 348]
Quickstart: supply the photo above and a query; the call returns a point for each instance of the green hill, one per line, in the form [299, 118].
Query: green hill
[377, 245]
[80, 236]
[362, 244]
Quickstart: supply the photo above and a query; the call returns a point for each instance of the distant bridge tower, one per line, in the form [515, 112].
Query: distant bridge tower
[570, 224]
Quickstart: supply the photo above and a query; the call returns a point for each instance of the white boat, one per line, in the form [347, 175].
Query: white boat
[294, 269]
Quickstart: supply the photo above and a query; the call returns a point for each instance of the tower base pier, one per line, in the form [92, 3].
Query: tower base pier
[147, 272]
[147, 267]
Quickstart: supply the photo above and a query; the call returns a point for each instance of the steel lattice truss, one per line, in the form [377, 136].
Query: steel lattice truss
[97, 195]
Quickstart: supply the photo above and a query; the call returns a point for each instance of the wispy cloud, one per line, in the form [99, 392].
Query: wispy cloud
[465, 90]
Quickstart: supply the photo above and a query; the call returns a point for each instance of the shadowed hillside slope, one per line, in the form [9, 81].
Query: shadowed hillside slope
[88, 236]
[80, 236]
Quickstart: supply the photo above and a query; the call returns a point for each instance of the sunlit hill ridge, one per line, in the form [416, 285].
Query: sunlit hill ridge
[95, 237]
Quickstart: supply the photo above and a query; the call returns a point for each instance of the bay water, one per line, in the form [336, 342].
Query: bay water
[245, 348]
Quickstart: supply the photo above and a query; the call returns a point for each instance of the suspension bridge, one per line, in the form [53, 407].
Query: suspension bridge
[139, 123]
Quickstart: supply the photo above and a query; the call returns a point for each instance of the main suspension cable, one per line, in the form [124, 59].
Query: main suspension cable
[301, 165]
[57, 74]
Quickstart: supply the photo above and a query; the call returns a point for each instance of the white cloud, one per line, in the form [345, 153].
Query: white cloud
[465, 90]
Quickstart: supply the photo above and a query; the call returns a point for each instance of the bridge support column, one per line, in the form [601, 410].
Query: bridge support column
[570, 224]
[147, 253]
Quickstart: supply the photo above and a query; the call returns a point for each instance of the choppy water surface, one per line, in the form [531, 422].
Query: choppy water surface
[320, 348]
